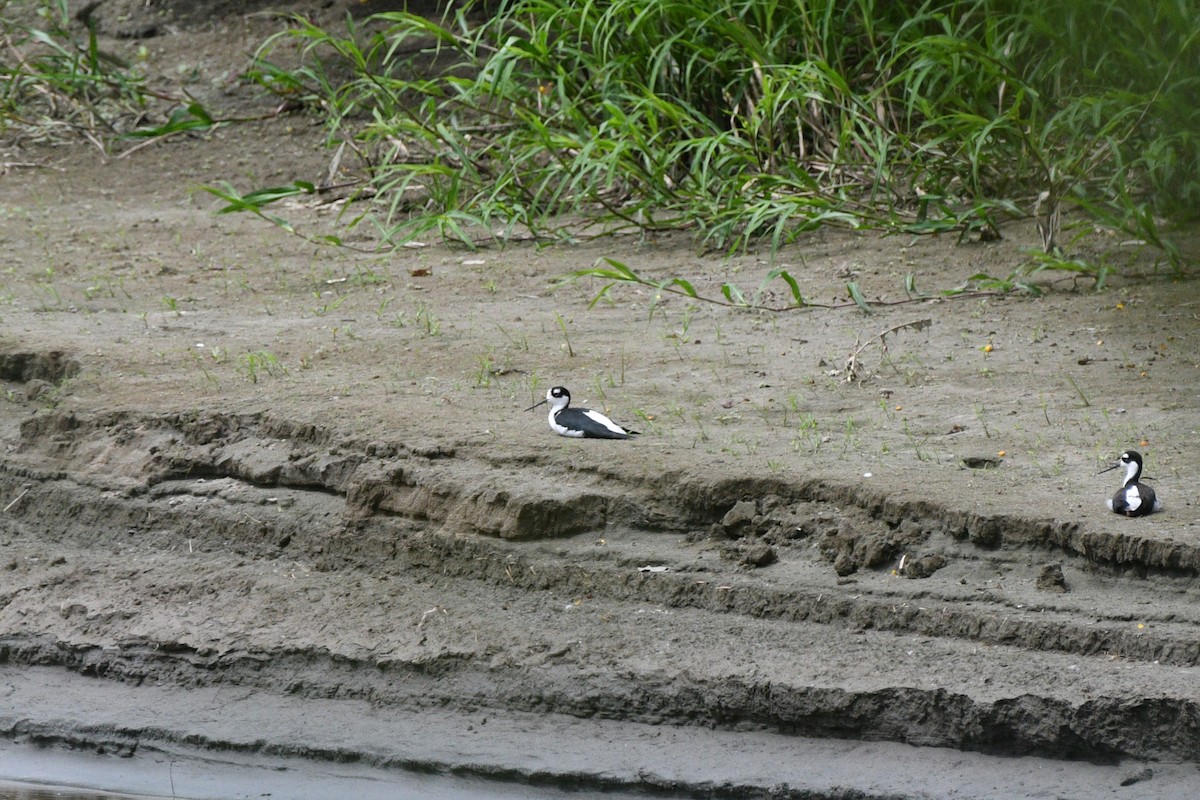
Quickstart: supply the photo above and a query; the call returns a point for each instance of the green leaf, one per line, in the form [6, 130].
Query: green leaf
[600, 295]
[682, 284]
[623, 270]
[254, 201]
[192, 118]
[282, 223]
[857, 296]
[200, 112]
[791, 282]
[733, 294]
[983, 280]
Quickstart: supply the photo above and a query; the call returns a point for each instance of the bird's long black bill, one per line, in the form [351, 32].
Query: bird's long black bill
[535, 405]
[1109, 469]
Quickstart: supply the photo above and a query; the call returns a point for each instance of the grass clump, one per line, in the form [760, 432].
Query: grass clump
[749, 121]
[58, 84]
[55, 86]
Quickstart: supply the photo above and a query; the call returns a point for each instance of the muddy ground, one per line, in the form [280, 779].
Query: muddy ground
[287, 497]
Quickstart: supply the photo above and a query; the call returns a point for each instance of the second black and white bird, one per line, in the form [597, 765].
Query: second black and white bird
[579, 423]
[1133, 499]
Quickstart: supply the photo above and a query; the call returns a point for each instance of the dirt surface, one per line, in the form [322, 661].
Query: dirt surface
[237, 463]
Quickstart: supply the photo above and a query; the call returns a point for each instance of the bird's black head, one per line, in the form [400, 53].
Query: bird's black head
[1131, 457]
[1128, 459]
[558, 397]
[1131, 460]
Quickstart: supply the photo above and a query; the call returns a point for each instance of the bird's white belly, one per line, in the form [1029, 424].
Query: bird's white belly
[562, 430]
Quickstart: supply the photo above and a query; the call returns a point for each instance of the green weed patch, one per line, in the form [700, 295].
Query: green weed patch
[749, 122]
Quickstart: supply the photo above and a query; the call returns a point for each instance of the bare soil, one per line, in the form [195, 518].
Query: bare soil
[237, 463]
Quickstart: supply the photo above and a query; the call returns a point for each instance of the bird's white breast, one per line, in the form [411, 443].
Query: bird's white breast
[563, 430]
[1133, 498]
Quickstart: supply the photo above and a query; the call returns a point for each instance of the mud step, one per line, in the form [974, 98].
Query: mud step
[262, 553]
[983, 595]
[876, 687]
[479, 646]
[150, 725]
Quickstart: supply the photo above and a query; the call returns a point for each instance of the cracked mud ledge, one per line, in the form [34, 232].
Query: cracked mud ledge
[210, 510]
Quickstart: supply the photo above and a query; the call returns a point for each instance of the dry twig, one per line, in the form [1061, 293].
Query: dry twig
[855, 372]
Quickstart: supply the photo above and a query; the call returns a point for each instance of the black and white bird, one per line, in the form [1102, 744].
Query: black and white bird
[579, 422]
[1133, 499]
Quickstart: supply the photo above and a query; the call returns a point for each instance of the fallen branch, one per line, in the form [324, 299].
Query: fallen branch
[854, 370]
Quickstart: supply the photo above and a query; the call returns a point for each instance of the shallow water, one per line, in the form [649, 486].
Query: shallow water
[30, 773]
[445, 788]
[15, 791]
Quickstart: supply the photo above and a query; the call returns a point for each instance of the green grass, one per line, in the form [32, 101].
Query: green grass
[743, 122]
[254, 365]
[57, 84]
[748, 122]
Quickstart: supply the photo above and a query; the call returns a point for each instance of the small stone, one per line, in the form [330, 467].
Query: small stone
[35, 388]
[739, 517]
[981, 462]
[1051, 579]
[68, 610]
[924, 566]
[758, 555]
[844, 565]
[986, 533]
[1137, 777]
